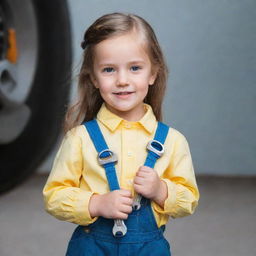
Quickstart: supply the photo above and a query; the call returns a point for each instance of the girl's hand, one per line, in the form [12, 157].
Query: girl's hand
[148, 184]
[116, 204]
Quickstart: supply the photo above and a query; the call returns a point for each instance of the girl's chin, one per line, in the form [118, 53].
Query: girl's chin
[123, 107]
[117, 109]
[130, 113]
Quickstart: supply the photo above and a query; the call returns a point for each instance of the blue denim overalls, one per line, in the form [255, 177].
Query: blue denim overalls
[142, 237]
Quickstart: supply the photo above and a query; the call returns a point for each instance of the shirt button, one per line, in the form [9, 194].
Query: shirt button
[129, 153]
[129, 182]
[127, 125]
[86, 230]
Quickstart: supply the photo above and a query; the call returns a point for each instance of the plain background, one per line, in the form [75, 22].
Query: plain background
[210, 48]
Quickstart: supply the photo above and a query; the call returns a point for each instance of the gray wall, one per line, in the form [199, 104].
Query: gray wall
[210, 47]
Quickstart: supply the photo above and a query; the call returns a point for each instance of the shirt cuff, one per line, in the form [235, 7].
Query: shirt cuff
[82, 213]
[170, 202]
[180, 201]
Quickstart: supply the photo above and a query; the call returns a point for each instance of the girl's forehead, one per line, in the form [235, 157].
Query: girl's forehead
[129, 44]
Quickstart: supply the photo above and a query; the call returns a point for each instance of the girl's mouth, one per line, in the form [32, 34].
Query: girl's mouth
[122, 93]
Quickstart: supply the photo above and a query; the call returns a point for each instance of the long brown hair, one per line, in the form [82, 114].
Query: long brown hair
[107, 26]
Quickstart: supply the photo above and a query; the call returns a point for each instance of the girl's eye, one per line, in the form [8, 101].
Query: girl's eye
[135, 68]
[108, 70]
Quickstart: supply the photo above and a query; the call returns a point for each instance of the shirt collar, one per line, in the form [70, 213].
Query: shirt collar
[112, 121]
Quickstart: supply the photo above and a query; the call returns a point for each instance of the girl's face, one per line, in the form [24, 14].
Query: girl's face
[123, 73]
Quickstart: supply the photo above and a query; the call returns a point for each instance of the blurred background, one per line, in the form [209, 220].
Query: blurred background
[210, 48]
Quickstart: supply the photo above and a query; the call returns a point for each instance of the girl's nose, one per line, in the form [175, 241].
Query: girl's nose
[122, 78]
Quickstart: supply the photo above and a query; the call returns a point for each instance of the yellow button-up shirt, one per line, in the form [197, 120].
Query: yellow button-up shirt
[76, 174]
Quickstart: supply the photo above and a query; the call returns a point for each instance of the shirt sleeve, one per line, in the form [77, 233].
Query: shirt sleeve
[183, 194]
[63, 197]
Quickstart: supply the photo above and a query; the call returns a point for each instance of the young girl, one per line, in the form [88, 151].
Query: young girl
[120, 198]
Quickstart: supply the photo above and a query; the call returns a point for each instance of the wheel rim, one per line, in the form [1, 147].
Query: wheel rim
[17, 20]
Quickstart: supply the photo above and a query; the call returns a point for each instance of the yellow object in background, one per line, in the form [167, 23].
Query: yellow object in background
[12, 51]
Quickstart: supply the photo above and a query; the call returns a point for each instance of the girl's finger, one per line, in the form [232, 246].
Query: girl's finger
[140, 174]
[145, 169]
[125, 192]
[127, 201]
[138, 188]
[126, 209]
[121, 215]
[138, 180]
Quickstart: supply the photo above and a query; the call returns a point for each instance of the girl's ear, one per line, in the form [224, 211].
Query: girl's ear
[153, 77]
[94, 81]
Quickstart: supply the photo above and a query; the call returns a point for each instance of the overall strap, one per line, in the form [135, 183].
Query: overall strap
[155, 149]
[156, 146]
[106, 157]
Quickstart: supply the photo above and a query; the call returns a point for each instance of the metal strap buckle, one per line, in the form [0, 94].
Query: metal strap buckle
[156, 147]
[107, 156]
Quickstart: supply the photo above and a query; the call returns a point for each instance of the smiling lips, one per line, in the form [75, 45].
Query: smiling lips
[122, 93]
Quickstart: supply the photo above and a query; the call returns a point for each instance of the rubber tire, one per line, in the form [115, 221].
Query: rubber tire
[47, 99]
